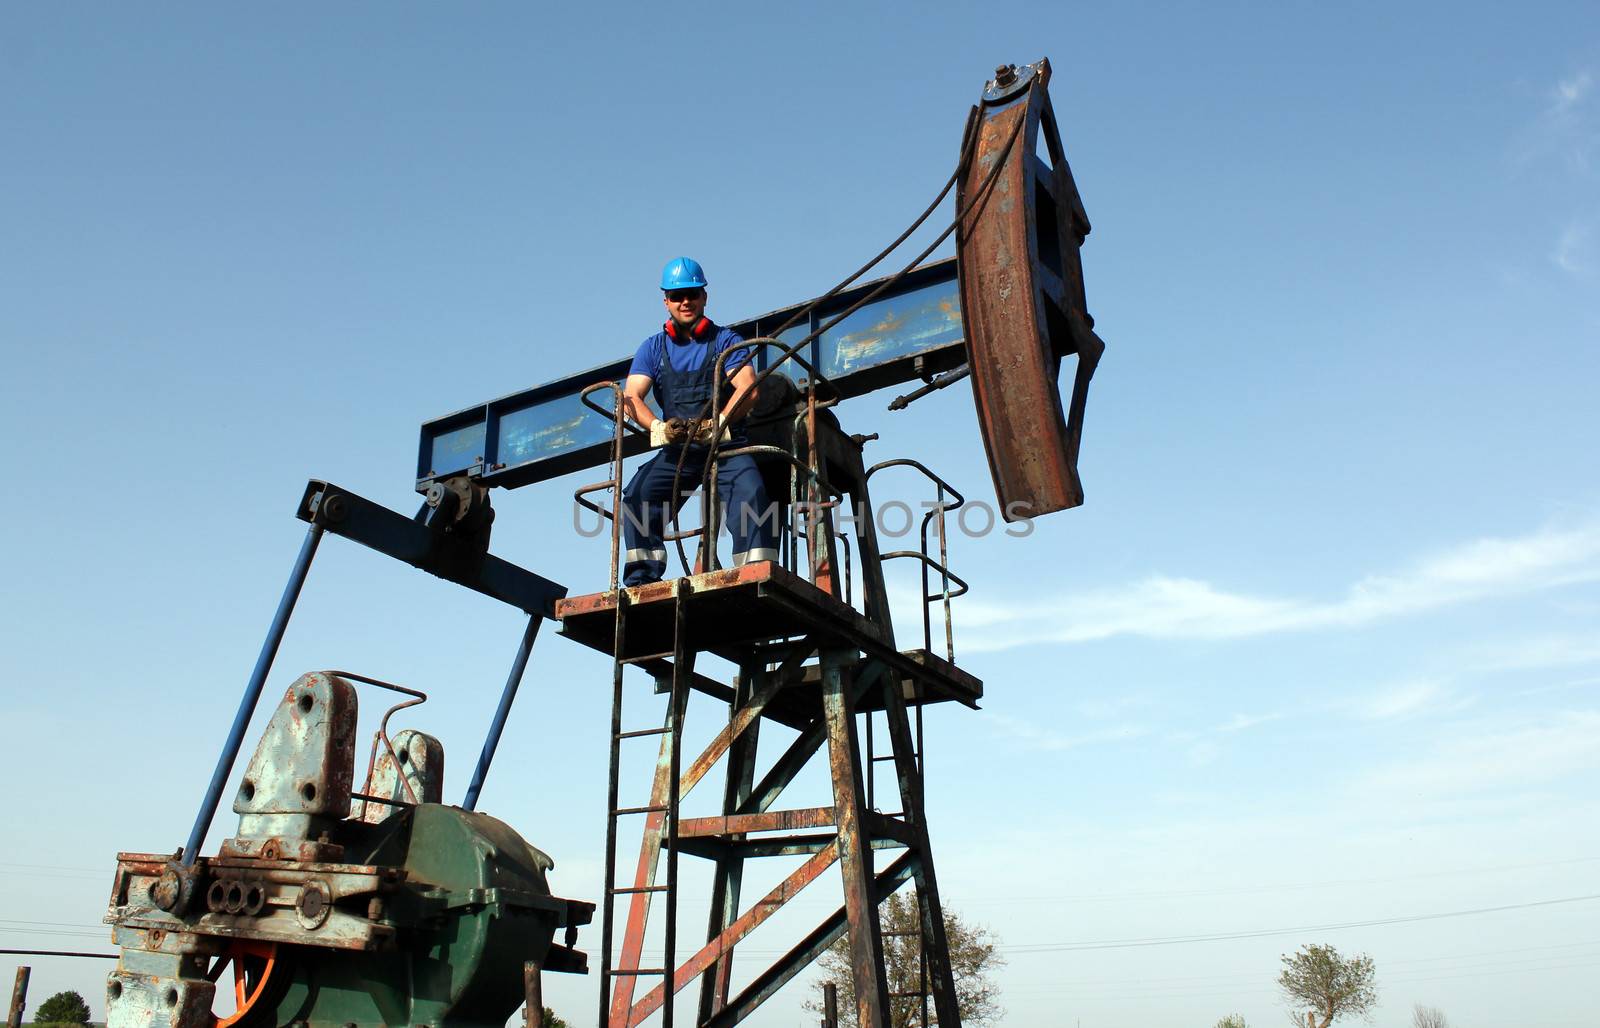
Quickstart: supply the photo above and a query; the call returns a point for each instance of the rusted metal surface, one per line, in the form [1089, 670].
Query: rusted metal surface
[410, 770]
[266, 900]
[160, 980]
[771, 821]
[855, 852]
[774, 668]
[1022, 296]
[19, 998]
[760, 601]
[808, 949]
[299, 778]
[768, 905]
[747, 714]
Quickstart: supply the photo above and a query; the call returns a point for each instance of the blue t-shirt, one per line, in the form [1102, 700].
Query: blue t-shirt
[687, 356]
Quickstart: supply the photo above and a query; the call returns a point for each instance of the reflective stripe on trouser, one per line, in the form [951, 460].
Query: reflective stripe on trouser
[647, 511]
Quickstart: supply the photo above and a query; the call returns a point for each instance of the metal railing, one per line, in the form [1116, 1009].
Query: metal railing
[948, 499]
[809, 491]
[382, 735]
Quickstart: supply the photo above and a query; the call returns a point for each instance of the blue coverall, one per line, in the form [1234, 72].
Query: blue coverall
[682, 380]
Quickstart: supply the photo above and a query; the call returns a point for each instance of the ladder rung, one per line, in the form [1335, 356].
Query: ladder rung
[909, 931]
[639, 810]
[642, 970]
[643, 731]
[908, 995]
[643, 657]
[877, 759]
[638, 888]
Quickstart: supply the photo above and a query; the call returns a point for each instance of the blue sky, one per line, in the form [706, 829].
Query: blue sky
[1320, 648]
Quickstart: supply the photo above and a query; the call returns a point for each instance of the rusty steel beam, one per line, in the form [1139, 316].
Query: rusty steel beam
[1022, 295]
[855, 850]
[793, 760]
[746, 715]
[768, 905]
[771, 821]
[712, 848]
[810, 948]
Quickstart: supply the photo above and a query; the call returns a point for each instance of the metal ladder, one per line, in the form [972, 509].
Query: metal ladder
[661, 812]
[947, 499]
[661, 824]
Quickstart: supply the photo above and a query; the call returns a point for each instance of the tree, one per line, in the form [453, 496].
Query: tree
[1330, 985]
[62, 1008]
[1428, 1017]
[1232, 1021]
[973, 959]
[551, 1019]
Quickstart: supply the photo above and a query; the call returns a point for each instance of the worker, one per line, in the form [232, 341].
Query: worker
[678, 364]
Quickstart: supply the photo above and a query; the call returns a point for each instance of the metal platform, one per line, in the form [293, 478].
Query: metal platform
[738, 610]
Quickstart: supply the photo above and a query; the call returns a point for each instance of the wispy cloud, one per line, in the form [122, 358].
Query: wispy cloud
[1565, 131]
[1496, 758]
[1409, 699]
[1574, 251]
[1535, 653]
[1169, 607]
[1034, 737]
[1202, 742]
[1569, 92]
[1240, 722]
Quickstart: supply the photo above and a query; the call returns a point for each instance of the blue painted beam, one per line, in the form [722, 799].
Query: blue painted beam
[911, 331]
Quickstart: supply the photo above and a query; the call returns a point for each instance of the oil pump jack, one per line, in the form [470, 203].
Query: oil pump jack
[334, 905]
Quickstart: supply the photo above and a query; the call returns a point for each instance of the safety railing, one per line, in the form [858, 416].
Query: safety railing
[619, 416]
[809, 490]
[382, 736]
[948, 499]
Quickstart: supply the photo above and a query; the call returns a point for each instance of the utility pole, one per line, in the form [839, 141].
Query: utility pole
[830, 1005]
[19, 998]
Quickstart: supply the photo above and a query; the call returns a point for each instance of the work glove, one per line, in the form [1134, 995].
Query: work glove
[668, 432]
[711, 429]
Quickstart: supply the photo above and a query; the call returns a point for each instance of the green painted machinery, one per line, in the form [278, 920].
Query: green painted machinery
[335, 907]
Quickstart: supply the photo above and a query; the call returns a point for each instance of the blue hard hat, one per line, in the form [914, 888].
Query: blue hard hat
[683, 273]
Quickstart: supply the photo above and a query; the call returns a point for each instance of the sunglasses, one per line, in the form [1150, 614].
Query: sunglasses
[679, 295]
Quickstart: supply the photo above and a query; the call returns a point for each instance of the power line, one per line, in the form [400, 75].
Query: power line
[1285, 887]
[57, 953]
[1174, 940]
[57, 867]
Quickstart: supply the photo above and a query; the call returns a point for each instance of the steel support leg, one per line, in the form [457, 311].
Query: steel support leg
[533, 994]
[855, 846]
[252, 694]
[729, 875]
[496, 727]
